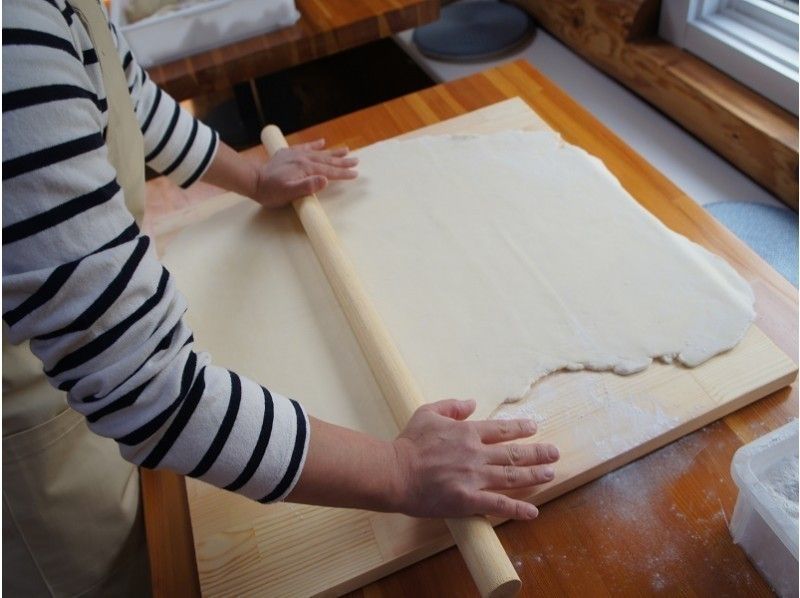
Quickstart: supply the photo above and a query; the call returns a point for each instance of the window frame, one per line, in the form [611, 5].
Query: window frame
[753, 41]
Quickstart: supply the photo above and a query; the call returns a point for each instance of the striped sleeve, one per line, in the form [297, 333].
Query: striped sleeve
[176, 144]
[86, 288]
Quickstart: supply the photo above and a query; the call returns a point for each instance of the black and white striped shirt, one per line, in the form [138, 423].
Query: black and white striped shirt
[82, 283]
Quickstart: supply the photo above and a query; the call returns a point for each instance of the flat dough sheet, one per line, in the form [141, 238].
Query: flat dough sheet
[493, 261]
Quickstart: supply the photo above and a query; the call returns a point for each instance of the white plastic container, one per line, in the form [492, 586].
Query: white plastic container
[764, 522]
[200, 26]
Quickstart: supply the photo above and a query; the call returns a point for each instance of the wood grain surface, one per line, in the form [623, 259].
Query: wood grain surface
[620, 37]
[646, 527]
[173, 566]
[325, 27]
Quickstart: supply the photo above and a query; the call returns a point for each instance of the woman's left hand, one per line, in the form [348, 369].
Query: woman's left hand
[300, 170]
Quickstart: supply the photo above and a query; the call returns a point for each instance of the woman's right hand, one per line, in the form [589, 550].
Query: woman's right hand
[449, 467]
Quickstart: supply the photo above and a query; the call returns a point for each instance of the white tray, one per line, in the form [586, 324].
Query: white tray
[200, 26]
[765, 471]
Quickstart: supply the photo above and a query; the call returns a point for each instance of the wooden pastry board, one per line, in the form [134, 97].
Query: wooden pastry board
[599, 421]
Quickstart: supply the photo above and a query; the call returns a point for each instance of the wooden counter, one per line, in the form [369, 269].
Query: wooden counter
[325, 27]
[656, 525]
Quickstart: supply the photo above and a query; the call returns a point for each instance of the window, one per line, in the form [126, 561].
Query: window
[753, 41]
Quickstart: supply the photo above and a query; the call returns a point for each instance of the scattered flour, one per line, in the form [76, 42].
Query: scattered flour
[782, 484]
[630, 417]
[647, 420]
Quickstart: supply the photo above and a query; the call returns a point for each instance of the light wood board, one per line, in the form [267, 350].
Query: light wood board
[600, 421]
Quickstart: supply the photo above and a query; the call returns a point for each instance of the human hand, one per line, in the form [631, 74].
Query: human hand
[455, 468]
[301, 170]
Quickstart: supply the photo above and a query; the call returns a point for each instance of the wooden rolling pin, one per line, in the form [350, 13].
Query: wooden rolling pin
[485, 557]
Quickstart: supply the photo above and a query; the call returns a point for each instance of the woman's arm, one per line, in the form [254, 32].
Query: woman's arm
[439, 466]
[291, 173]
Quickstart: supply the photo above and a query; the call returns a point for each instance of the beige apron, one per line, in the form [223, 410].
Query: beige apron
[72, 521]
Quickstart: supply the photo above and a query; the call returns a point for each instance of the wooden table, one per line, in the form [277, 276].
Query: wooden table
[325, 27]
[656, 525]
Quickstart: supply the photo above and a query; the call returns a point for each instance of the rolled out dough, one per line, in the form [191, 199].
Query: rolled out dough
[493, 260]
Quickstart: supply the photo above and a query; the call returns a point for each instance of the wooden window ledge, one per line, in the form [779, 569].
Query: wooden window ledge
[620, 38]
